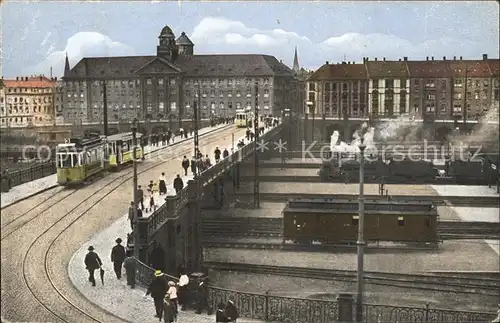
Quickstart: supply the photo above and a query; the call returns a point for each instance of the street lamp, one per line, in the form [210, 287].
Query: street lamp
[360, 242]
[310, 109]
[136, 197]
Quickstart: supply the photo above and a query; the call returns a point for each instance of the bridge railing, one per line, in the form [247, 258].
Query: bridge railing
[274, 308]
[174, 205]
[27, 174]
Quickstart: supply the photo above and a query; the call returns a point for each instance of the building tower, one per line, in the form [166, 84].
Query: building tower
[167, 48]
[296, 66]
[185, 45]
[66, 66]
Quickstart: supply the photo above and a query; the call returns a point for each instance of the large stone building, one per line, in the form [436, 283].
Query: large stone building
[445, 89]
[28, 101]
[166, 85]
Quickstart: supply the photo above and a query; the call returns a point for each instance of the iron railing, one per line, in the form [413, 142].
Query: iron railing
[28, 174]
[166, 211]
[274, 308]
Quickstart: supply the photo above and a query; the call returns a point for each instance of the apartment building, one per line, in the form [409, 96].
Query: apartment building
[29, 101]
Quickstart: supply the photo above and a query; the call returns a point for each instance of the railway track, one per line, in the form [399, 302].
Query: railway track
[273, 228]
[441, 283]
[33, 288]
[471, 201]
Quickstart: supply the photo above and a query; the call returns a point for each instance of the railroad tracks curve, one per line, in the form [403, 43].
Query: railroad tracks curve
[55, 298]
[438, 283]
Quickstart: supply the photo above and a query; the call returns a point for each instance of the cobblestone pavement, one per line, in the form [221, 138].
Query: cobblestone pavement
[264, 171]
[44, 183]
[17, 302]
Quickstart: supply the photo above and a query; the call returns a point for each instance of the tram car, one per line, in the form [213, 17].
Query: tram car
[333, 222]
[120, 149]
[80, 158]
[244, 119]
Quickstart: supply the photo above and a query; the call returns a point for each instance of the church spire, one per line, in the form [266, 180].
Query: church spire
[296, 66]
[66, 66]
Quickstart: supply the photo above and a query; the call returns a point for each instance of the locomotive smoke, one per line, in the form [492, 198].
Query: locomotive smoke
[401, 129]
[343, 147]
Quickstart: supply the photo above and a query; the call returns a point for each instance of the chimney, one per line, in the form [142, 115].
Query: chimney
[367, 59]
[26, 78]
[444, 58]
[41, 78]
[460, 57]
[55, 78]
[326, 63]
[432, 58]
[454, 58]
[405, 58]
[400, 59]
[485, 57]
[375, 59]
[17, 78]
[384, 59]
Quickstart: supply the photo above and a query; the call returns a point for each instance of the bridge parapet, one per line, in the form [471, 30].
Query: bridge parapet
[174, 205]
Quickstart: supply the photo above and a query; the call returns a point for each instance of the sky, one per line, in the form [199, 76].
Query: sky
[36, 35]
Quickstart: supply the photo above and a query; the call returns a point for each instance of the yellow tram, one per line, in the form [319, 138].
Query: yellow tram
[79, 158]
[120, 149]
[244, 118]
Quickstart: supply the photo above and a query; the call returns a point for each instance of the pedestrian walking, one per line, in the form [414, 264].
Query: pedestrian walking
[117, 257]
[193, 165]
[178, 184]
[163, 184]
[219, 315]
[231, 312]
[129, 265]
[169, 311]
[92, 262]
[172, 295]
[208, 163]
[131, 215]
[185, 165]
[140, 196]
[217, 153]
[225, 153]
[183, 291]
[158, 289]
[202, 297]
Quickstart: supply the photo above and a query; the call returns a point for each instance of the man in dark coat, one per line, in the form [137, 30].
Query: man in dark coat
[140, 196]
[217, 154]
[219, 315]
[193, 165]
[178, 184]
[185, 165]
[92, 262]
[129, 265]
[117, 258]
[231, 312]
[202, 297]
[131, 215]
[158, 289]
[225, 153]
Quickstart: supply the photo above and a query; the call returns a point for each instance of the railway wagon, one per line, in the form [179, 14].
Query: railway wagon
[120, 149]
[336, 221]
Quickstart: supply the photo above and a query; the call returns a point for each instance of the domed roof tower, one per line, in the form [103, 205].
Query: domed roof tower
[185, 45]
[166, 47]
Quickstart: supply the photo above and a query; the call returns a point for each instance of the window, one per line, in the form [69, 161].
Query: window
[311, 96]
[312, 86]
[431, 96]
[266, 93]
[430, 83]
[355, 220]
[149, 82]
[402, 83]
[401, 221]
[160, 81]
[238, 93]
[457, 108]
[476, 95]
[442, 107]
[443, 84]
[389, 83]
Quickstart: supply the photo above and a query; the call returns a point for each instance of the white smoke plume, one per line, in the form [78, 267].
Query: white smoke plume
[402, 129]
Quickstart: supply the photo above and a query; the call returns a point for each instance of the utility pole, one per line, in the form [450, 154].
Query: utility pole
[105, 108]
[465, 98]
[256, 195]
[196, 104]
[361, 242]
[134, 192]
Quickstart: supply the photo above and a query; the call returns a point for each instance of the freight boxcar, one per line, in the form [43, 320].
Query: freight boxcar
[329, 221]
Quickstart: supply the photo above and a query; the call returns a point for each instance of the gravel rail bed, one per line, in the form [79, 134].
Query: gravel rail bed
[48, 242]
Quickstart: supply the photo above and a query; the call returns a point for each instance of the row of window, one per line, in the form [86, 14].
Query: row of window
[21, 120]
[34, 90]
[46, 99]
[36, 109]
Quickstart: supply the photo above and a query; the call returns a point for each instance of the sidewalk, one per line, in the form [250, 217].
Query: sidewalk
[115, 296]
[29, 189]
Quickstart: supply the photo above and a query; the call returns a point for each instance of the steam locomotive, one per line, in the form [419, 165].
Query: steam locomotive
[481, 170]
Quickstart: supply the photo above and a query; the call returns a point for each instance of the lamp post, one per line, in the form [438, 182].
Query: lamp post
[196, 104]
[136, 198]
[360, 242]
[256, 194]
[309, 109]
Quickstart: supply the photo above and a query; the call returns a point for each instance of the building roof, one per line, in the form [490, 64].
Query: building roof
[192, 65]
[385, 69]
[184, 40]
[339, 72]
[429, 69]
[474, 68]
[30, 82]
[167, 31]
[494, 65]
